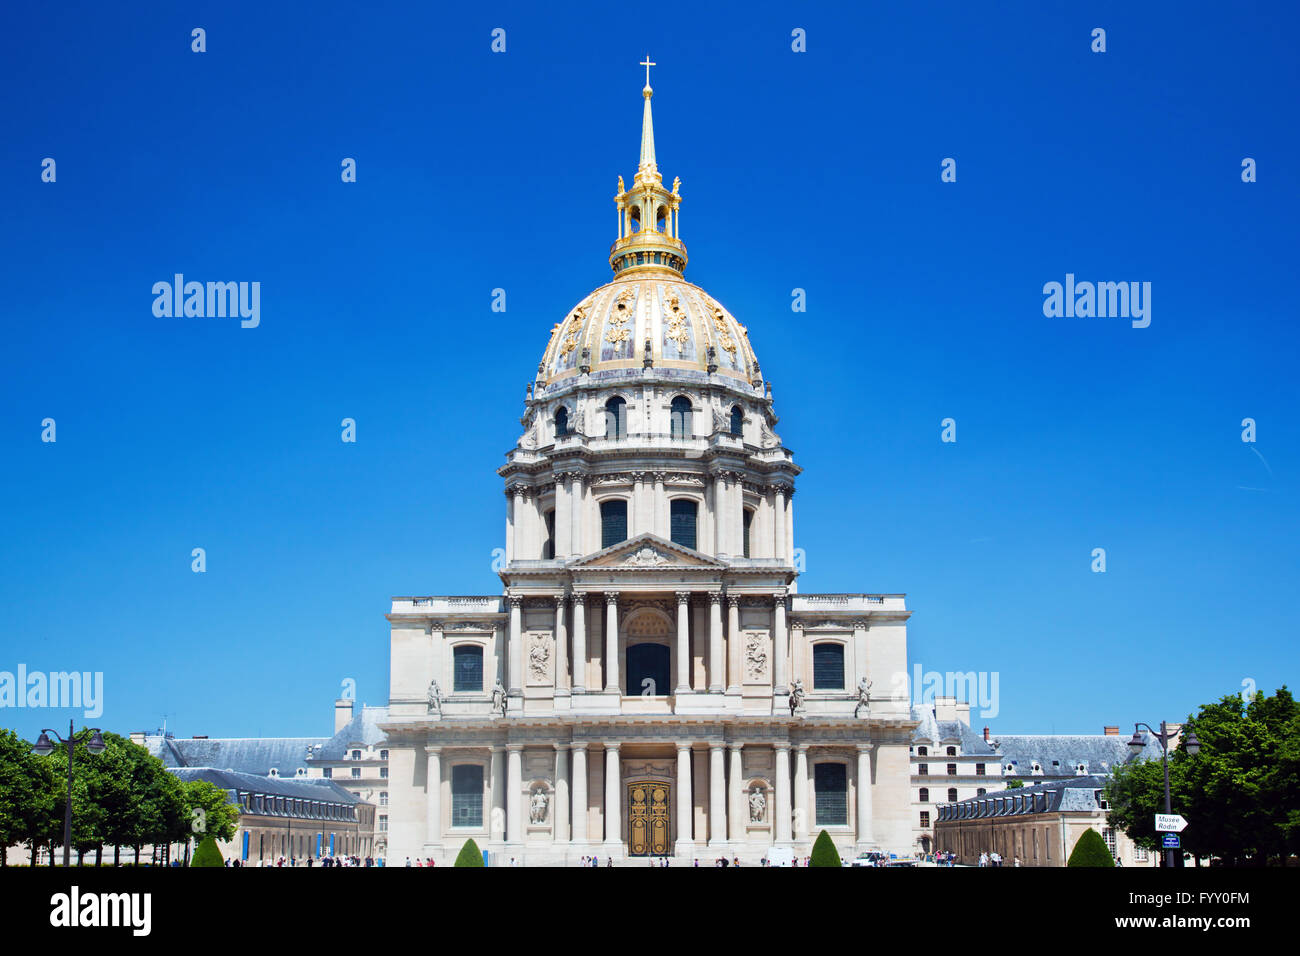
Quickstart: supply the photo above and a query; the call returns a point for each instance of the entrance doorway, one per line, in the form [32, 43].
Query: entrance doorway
[648, 816]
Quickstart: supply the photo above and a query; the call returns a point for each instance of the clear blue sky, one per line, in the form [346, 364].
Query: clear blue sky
[479, 170]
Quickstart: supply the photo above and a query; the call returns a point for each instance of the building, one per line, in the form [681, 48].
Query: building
[356, 759]
[289, 817]
[1038, 825]
[648, 682]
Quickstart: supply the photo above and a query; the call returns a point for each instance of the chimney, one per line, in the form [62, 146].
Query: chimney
[945, 708]
[137, 737]
[986, 733]
[342, 713]
[1111, 731]
[963, 712]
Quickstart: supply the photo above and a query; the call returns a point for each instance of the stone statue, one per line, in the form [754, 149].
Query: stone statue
[537, 806]
[864, 698]
[757, 804]
[796, 697]
[435, 698]
[499, 698]
[621, 188]
[677, 182]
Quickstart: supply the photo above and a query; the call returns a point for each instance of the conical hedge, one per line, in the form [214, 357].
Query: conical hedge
[1091, 850]
[207, 854]
[824, 852]
[469, 855]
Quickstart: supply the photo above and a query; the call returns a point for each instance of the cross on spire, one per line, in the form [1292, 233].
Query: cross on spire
[647, 64]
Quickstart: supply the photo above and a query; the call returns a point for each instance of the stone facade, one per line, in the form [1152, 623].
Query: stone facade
[649, 681]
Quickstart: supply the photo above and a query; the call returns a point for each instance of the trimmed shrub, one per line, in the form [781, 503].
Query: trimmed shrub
[1091, 850]
[824, 852]
[207, 854]
[469, 855]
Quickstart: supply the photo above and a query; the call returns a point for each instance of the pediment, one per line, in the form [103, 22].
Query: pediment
[646, 551]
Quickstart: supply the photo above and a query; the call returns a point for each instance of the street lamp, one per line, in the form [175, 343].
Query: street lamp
[1164, 735]
[44, 748]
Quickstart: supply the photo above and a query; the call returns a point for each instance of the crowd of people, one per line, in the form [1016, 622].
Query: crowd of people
[317, 861]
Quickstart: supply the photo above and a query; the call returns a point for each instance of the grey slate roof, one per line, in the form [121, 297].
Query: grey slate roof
[363, 729]
[1071, 795]
[934, 731]
[1098, 753]
[310, 788]
[255, 755]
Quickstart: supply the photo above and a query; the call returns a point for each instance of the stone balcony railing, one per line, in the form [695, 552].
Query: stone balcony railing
[455, 604]
[820, 603]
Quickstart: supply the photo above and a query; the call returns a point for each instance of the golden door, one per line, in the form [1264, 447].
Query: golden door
[647, 818]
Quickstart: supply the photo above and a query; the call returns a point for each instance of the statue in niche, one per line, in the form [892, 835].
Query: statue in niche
[499, 698]
[435, 698]
[864, 698]
[757, 805]
[538, 804]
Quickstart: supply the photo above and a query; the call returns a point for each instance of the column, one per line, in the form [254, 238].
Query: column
[516, 645]
[433, 795]
[801, 820]
[579, 792]
[660, 507]
[736, 815]
[561, 648]
[514, 511]
[579, 643]
[514, 798]
[497, 820]
[778, 523]
[715, 642]
[636, 521]
[717, 796]
[563, 519]
[780, 648]
[575, 517]
[789, 527]
[735, 645]
[560, 811]
[722, 513]
[611, 642]
[613, 799]
[866, 832]
[781, 813]
[684, 799]
[715, 513]
[683, 643]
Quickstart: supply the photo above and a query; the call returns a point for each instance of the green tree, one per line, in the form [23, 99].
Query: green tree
[469, 855]
[216, 815]
[824, 852]
[1240, 794]
[1091, 850]
[1014, 784]
[207, 854]
[27, 795]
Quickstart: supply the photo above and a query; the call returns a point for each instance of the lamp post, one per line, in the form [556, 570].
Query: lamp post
[1164, 735]
[44, 748]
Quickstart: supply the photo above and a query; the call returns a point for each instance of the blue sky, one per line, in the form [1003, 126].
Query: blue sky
[477, 170]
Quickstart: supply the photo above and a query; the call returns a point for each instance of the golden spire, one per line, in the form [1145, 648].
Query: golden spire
[648, 214]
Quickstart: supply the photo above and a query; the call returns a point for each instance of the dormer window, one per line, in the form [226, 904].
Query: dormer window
[561, 422]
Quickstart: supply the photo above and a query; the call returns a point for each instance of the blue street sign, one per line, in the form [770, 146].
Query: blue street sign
[1170, 841]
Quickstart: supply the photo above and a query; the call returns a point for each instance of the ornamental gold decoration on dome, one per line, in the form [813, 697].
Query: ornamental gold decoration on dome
[618, 331]
[574, 330]
[724, 336]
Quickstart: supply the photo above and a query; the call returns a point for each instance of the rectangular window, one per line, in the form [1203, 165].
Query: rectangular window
[1108, 835]
[383, 823]
[328, 772]
[748, 520]
[925, 818]
[979, 770]
[613, 522]
[952, 770]
[923, 769]
[828, 666]
[683, 514]
[356, 773]
[467, 668]
[831, 785]
[383, 773]
[467, 795]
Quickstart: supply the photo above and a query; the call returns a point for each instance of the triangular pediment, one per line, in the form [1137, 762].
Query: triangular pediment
[646, 551]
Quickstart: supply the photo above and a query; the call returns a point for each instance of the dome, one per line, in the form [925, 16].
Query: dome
[685, 328]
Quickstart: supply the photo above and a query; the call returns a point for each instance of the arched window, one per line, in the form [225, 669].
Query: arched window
[616, 418]
[737, 421]
[952, 751]
[684, 513]
[828, 666]
[922, 751]
[925, 795]
[746, 522]
[613, 522]
[548, 546]
[831, 785]
[467, 668]
[952, 794]
[467, 795]
[561, 422]
[680, 420]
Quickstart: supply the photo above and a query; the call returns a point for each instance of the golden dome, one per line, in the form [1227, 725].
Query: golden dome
[685, 328]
